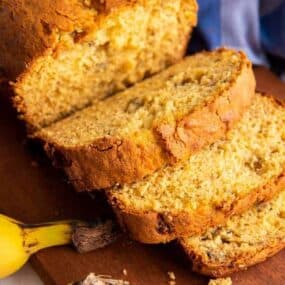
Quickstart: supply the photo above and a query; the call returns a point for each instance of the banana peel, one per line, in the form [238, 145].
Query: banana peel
[18, 241]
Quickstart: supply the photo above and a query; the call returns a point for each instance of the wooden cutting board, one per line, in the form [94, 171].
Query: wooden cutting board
[32, 191]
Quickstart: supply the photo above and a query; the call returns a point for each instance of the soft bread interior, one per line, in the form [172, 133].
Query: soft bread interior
[228, 170]
[166, 97]
[242, 236]
[125, 47]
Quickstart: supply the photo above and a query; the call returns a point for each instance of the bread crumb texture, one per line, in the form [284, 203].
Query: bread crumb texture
[238, 243]
[162, 120]
[217, 177]
[89, 50]
[165, 98]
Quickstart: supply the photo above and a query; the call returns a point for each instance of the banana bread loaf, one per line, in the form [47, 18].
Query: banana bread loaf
[162, 120]
[224, 179]
[243, 241]
[62, 54]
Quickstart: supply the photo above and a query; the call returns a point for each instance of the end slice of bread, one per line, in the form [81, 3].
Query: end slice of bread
[224, 179]
[162, 120]
[63, 54]
[243, 241]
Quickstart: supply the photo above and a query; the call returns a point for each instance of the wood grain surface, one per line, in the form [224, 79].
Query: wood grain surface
[32, 191]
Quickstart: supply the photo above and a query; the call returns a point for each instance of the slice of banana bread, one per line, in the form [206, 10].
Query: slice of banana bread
[224, 179]
[64, 53]
[243, 241]
[162, 120]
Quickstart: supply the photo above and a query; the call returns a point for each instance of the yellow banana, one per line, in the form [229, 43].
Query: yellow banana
[19, 241]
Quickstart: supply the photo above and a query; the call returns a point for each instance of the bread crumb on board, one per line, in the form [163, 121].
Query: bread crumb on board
[221, 281]
[125, 272]
[172, 278]
[93, 279]
[171, 275]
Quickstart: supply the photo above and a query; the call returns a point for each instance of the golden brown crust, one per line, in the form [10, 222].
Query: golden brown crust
[146, 227]
[238, 263]
[32, 30]
[124, 161]
[106, 162]
[211, 122]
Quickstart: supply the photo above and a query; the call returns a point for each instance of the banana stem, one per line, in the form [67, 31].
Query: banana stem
[42, 236]
[84, 236]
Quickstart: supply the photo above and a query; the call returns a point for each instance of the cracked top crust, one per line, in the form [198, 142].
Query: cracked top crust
[33, 28]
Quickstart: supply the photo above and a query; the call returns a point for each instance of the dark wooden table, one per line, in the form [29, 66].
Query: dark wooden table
[32, 191]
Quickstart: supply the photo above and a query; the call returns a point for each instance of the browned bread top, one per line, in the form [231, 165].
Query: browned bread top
[32, 28]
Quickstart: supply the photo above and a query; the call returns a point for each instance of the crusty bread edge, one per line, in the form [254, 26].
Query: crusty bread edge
[106, 162]
[211, 121]
[238, 263]
[124, 161]
[154, 227]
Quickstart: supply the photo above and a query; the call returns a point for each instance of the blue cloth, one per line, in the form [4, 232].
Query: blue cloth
[255, 26]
